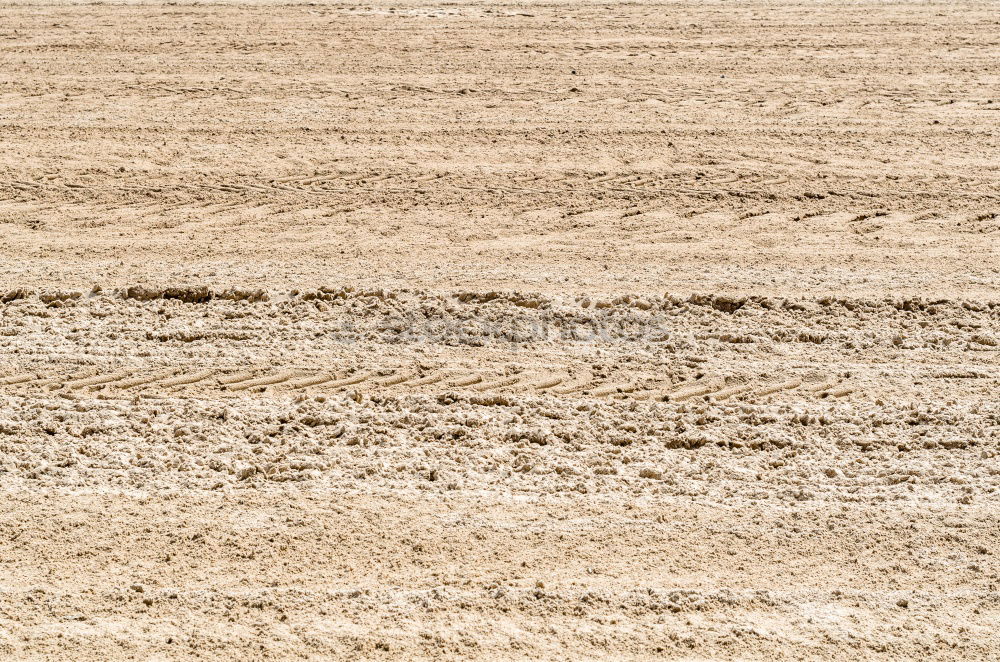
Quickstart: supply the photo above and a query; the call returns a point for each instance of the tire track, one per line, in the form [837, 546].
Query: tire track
[254, 382]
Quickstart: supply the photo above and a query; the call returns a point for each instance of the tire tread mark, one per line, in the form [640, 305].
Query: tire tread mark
[611, 389]
[19, 379]
[264, 381]
[838, 392]
[822, 386]
[548, 383]
[433, 378]
[147, 379]
[348, 381]
[314, 380]
[786, 385]
[183, 380]
[397, 379]
[573, 388]
[236, 378]
[468, 380]
[96, 381]
[500, 383]
[694, 390]
[727, 393]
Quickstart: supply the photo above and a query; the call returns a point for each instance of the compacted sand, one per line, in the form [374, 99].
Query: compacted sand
[554, 330]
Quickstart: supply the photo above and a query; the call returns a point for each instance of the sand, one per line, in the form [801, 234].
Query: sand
[559, 330]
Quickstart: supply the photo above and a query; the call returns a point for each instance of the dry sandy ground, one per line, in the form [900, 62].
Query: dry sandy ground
[479, 330]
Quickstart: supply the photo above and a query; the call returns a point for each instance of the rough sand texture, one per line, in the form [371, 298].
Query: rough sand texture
[479, 331]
